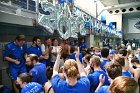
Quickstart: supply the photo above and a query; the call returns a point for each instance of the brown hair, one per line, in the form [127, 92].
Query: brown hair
[33, 57]
[120, 59]
[95, 60]
[113, 69]
[123, 84]
[71, 68]
[25, 77]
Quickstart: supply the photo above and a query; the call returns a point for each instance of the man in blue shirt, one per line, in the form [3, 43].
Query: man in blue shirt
[94, 76]
[105, 54]
[39, 69]
[113, 70]
[36, 49]
[24, 81]
[14, 54]
[83, 45]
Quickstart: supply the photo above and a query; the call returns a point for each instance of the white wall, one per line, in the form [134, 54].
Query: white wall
[115, 18]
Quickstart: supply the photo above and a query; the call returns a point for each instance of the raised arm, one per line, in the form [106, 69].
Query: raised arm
[80, 67]
[57, 62]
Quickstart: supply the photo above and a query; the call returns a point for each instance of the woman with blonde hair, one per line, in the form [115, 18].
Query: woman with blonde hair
[71, 71]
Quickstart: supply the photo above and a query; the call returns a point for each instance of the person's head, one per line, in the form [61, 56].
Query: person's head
[96, 50]
[48, 41]
[113, 69]
[105, 52]
[55, 42]
[49, 73]
[87, 59]
[138, 50]
[123, 84]
[20, 40]
[135, 62]
[70, 68]
[36, 41]
[31, 59]
[111, 54]
[95, 61]
[23, 79]
[120, 59]
[123, 52]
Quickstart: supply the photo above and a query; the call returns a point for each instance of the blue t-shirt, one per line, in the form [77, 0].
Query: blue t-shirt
[128, 74]
[34, 50]
[32, 87]
[94, 80]
[61, 86]
[103, 63]
[15, 52]
[82, 46]
[103, 89]
[39, 73]
[37, 51]
[72, 56]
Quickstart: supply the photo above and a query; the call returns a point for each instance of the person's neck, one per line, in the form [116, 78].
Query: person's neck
[71, 81]
[36, 63]
[124, 69]
[97, 68]
[34, 45]
[105, 58]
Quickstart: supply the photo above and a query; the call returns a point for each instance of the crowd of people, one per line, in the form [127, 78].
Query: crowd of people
[53, 67]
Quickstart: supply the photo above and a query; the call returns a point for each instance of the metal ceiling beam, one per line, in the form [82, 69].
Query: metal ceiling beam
[122, 5]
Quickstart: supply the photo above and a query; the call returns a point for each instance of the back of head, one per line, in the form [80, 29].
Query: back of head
[113, 69]
[71, 68]
[33, 57]
[123, 52]
[123, 84]
[104, 52]
[95, 60]
[120, 59]
[25, 77]
[49, 72]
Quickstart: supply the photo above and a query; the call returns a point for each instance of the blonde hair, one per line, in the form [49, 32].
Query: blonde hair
[123, 84]
[71, 68]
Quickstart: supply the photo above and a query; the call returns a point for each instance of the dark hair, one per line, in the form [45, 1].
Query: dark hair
[49, 72]
[33, 57]
[123, 52]
[25, 77]
[113, 69]
[53, 40]
[135, 60]
[105, 52]
[88, 57]
[35, 38]
[20, 38]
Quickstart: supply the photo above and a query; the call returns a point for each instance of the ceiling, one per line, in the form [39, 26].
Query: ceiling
[113, 5]
[107, 3]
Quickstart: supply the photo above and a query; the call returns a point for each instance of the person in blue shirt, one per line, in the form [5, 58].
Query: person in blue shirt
[105, 54]
[14, 54]
[24, 81]
[36, 49]
[94, 76]
[121, 60]
[71, 70]
[38, 71]
[83, 45]
[72, 55]
[113, 70]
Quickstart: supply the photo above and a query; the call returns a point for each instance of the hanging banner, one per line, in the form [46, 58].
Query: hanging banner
[134, 25]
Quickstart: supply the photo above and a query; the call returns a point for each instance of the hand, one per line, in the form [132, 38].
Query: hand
[102, 79]
[17, 62]
[77, 53]
[59, 49]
